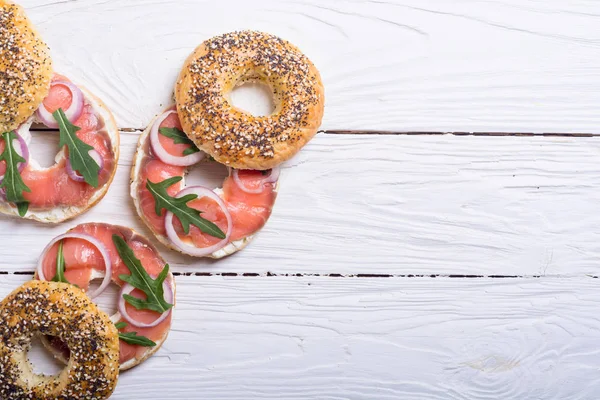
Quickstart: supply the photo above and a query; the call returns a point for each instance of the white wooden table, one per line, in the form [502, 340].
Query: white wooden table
[400, 262]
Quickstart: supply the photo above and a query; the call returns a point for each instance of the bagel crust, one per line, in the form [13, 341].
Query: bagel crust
[231, 135]
[57, 309]
[25, 67]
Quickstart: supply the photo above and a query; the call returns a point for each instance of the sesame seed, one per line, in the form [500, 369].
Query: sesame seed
[237, 57]
[23, 60]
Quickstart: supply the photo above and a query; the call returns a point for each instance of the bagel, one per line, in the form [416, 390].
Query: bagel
[80, 255]
[231, 135]
[61, 310]
[25, 67]
[55, 197]
[249, 211]
[30, 93]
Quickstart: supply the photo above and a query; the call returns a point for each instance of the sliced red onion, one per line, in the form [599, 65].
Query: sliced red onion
[74, 175]
[164, 155]
[73, 112]
[271, 178]
[90, 239]
[25, 130]
[21, 148]
[127, 289]
[201, 191]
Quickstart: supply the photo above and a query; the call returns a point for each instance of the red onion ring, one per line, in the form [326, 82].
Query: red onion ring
[90, 239]
[73, 112]
[163, 155]
[271, 178]
[127, 289]
[22, 150]
[79, 178]
[201, 191]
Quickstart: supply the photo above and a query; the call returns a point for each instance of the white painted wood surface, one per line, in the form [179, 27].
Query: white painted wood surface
[375, 338]
[438, 65]
[359, 205]
[396, 204]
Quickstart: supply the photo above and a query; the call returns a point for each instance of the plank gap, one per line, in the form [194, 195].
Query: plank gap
[426, 133]
[416, 133]
[337, 275]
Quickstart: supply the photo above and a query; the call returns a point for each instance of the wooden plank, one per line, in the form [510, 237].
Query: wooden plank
[396, 205]
[387, 338]
[403, 65]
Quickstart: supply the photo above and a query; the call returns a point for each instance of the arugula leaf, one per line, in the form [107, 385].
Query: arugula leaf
[22, 208]
[139, 279]
[133, 337]
[179, 137]
[13, 183]
[60, 266]
[81, 161]
[179, 207]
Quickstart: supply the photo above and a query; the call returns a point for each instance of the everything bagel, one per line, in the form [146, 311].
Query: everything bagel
[25, 65]
[61, 310]
[233, 136]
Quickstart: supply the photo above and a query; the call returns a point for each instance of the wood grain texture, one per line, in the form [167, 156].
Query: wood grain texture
[394, 205]
[351, 338]
[404, 65]
[353, 206]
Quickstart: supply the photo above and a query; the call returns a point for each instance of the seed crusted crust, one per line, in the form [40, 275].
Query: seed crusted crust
[25, 67]
[57, 309]
[230, 135]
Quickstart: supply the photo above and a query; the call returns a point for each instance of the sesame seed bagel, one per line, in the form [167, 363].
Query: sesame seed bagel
[231, 135]
[62, 310]
[25, 67]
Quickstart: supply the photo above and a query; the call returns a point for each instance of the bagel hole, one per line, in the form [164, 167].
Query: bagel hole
[44, 147]
[109, 299]
[208, 174]
[255, 98]
[41, 360]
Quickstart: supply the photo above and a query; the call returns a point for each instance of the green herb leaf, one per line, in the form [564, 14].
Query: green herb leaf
[139, 279]
[81, 161]
[13, 183]
[22, 208]
[60, 266]
[133, 338]
[179, 137]
[179, 207]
